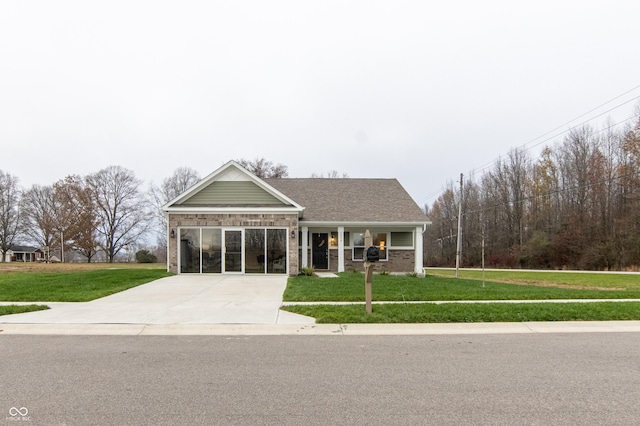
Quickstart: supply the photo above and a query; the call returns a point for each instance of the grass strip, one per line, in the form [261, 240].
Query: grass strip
[466, 313]
[20, 309]
[77, 286]
[349, 287]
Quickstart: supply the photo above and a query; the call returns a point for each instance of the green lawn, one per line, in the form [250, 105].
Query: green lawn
[73, 286]
[465, 313]
[20, 309]
[349, 287]
[569, 279]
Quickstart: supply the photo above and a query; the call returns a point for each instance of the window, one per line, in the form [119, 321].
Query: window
[333, 240]
[249, 250]
[276, 251]
[211, 250]
[379, 240]
[265, 251]
[358, 245]
[190, 250]
[402, 239]
[255, 257]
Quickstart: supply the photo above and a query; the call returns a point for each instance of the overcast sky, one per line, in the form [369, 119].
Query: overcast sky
[417, 90]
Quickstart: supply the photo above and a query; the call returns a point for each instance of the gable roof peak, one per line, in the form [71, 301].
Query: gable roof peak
[231, 171]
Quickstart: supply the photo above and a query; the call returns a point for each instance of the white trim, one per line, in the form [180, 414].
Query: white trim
[340, 248]
[169, 241]
[232, 210]
[419, 255]
[305, 246]
[317, 224]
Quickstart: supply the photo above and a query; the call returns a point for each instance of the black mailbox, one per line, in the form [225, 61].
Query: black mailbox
[373, 254]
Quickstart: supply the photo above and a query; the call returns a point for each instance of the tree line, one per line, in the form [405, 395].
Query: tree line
[105, 215]
[577, 206]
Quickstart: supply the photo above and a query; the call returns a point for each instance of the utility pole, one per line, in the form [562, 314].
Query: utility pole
[483, 255]
[459, 245]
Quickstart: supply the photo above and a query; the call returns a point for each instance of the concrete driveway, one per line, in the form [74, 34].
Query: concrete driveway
[179, 299]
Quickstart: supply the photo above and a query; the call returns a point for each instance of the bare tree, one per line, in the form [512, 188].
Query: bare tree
[629, 195]
[182, 179]
[333, 174]
[120, 207]
[440, 237]
[39, 213]
[545, 203]
[473, 222]
[263, 168]
[576, 206]
[79, 220]
[505, 190]
[9, 212]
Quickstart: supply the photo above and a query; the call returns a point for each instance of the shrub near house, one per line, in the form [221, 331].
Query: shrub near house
[144, 256]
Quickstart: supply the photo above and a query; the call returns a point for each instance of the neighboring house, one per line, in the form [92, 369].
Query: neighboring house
[23, 254]
[235, 222]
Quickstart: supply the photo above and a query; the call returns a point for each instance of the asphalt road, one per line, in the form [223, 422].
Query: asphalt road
[551, 379]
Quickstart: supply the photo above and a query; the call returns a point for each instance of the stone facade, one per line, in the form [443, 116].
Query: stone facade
[289, 221]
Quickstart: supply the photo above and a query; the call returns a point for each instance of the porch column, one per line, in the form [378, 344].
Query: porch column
[305, 246]
[168, 236]
[419, 266]
[340, 248]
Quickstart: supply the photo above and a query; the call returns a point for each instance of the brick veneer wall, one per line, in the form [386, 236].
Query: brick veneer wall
[399, 261]
[234, 220]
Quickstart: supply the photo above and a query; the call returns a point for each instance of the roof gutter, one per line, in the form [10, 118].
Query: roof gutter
[334, 224]
[229, 210]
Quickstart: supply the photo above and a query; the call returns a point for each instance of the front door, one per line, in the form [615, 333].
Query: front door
[320, 250]
[232, 251]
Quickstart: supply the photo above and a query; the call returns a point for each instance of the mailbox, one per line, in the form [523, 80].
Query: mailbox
[373, 254]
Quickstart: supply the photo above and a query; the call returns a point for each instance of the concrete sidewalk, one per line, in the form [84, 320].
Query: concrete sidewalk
[179, 299]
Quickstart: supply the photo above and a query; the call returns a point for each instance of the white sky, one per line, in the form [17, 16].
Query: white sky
[417, 90]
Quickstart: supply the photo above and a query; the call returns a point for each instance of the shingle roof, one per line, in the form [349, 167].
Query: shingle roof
[19, 248]
[351, 200]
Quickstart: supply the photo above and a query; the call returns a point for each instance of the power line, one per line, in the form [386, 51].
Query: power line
[585, 122]
[586, 113]
[490, 164]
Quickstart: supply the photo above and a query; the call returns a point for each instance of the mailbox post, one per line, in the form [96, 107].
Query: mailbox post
[370, 255]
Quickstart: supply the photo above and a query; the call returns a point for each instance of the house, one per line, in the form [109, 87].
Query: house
[17, 253]
[234, 222]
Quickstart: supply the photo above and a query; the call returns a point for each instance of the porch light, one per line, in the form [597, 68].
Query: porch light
[293, 234]
[173, 233]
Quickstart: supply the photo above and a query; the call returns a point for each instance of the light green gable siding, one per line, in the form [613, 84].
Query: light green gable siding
[232, 193]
